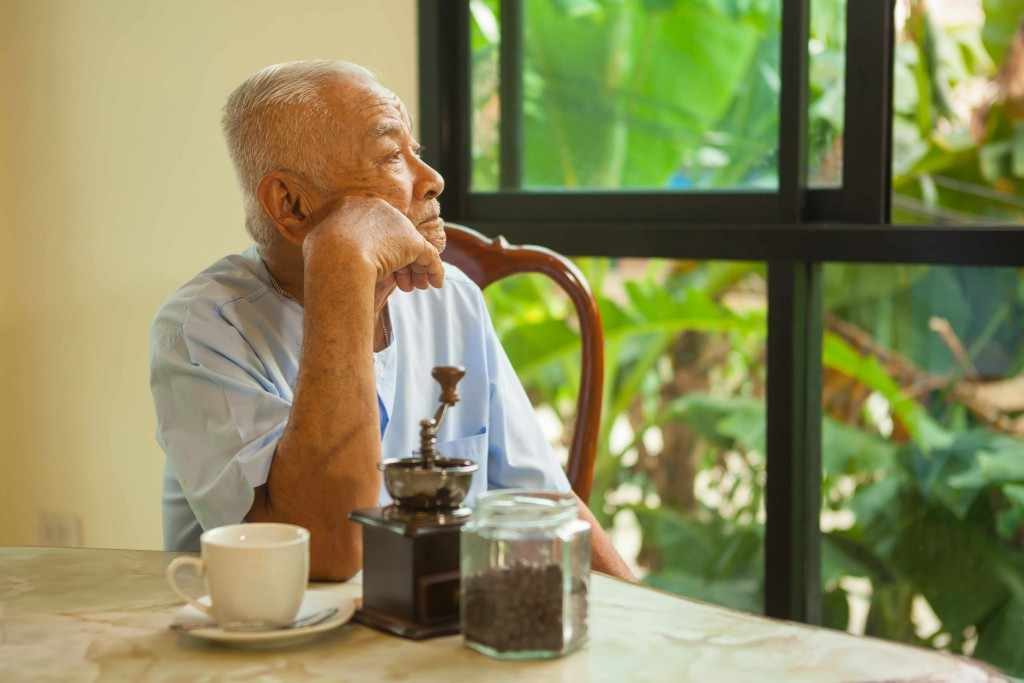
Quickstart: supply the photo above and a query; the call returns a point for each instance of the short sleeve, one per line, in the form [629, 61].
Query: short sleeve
[518, 454]
[218, 418]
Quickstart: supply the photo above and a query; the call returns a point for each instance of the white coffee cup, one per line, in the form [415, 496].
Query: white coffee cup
[256, 574]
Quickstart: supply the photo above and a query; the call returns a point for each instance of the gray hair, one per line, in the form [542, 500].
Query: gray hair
[279, 119]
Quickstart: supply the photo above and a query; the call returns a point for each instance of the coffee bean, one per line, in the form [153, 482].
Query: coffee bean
[519, 608]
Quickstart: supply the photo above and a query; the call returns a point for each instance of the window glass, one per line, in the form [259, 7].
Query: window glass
[484, 39]
[670, 95]
[923, 457]
[826, 50]
[679, 478]
[958, 133]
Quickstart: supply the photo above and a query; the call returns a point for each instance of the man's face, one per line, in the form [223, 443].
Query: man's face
[379, 157]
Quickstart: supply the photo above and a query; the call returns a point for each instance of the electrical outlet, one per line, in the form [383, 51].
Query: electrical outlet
[59, 529]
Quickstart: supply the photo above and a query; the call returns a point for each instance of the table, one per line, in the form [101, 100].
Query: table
[78, 614]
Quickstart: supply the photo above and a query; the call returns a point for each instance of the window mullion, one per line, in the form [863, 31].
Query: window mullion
[792, 491]
[867, 136]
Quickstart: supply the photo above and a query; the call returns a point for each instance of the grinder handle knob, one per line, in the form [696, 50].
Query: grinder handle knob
[448, 377]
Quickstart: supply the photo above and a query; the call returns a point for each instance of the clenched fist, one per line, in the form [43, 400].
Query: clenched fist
[375, 233]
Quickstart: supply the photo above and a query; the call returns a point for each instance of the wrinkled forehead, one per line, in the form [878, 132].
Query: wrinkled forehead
[371, 110]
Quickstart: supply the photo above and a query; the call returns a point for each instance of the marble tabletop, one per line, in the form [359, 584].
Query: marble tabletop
[103, 615]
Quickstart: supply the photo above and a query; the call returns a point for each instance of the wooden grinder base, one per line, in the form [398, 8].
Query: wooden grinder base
[410, 571]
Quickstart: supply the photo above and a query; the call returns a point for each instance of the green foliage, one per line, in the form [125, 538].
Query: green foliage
[1004, 649]
[614, 113]
[1002, 17]
[710, 560]
[947, 160]
[929, 514]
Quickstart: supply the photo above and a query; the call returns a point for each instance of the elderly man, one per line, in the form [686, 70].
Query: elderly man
[282, 373]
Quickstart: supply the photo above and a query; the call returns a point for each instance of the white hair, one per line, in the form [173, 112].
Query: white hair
[279, 119]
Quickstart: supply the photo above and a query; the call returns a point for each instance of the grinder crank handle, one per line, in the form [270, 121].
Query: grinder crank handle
[448, 377]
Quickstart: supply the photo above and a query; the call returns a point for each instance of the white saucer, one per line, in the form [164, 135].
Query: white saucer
[313, 601]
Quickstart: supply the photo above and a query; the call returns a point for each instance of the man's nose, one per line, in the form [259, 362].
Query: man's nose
[430, 184]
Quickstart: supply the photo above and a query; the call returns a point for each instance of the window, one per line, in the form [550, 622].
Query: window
[883, 198]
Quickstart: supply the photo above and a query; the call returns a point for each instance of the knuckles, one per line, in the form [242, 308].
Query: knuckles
[371, 229]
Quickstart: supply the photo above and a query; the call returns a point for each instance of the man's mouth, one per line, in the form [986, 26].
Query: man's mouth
[433, 229]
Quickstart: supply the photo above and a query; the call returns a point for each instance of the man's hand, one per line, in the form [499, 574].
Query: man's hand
[604, 557]
[373, 231]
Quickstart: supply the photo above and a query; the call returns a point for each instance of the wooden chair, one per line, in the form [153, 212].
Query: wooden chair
[487, 260]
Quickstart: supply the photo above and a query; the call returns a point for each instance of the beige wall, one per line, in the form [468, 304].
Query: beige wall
[116, 188]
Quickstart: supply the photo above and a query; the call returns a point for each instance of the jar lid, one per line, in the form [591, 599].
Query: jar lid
[525, 507]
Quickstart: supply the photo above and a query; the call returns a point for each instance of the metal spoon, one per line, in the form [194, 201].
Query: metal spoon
[309, 620]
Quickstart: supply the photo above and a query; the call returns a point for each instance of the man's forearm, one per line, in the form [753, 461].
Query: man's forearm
[326, 461]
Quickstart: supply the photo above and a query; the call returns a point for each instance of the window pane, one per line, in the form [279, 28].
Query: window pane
[958, 137]
[923, 457]
[484, 41]
[635, 94]
[679, 480]
[827, 71]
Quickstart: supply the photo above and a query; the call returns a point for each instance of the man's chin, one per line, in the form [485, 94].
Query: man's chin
[432, 230]
[436, 236]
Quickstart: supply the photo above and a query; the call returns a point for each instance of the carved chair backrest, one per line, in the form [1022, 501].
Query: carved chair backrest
[487, 260]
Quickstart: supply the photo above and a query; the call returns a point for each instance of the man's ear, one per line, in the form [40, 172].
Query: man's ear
[288, 204]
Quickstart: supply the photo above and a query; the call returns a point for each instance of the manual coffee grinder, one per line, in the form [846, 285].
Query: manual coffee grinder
[411, 548]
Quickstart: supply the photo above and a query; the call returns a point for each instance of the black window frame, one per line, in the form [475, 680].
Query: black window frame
[795, 230]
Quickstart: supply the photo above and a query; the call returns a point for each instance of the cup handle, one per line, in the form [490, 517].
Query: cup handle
[200, 568]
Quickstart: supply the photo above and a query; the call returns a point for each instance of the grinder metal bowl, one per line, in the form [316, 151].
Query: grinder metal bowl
[441, 486]
[431, 482]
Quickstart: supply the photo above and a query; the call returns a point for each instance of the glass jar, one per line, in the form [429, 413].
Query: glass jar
[525, 574]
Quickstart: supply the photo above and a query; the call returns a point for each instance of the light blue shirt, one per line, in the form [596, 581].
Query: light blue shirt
[224, 357]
